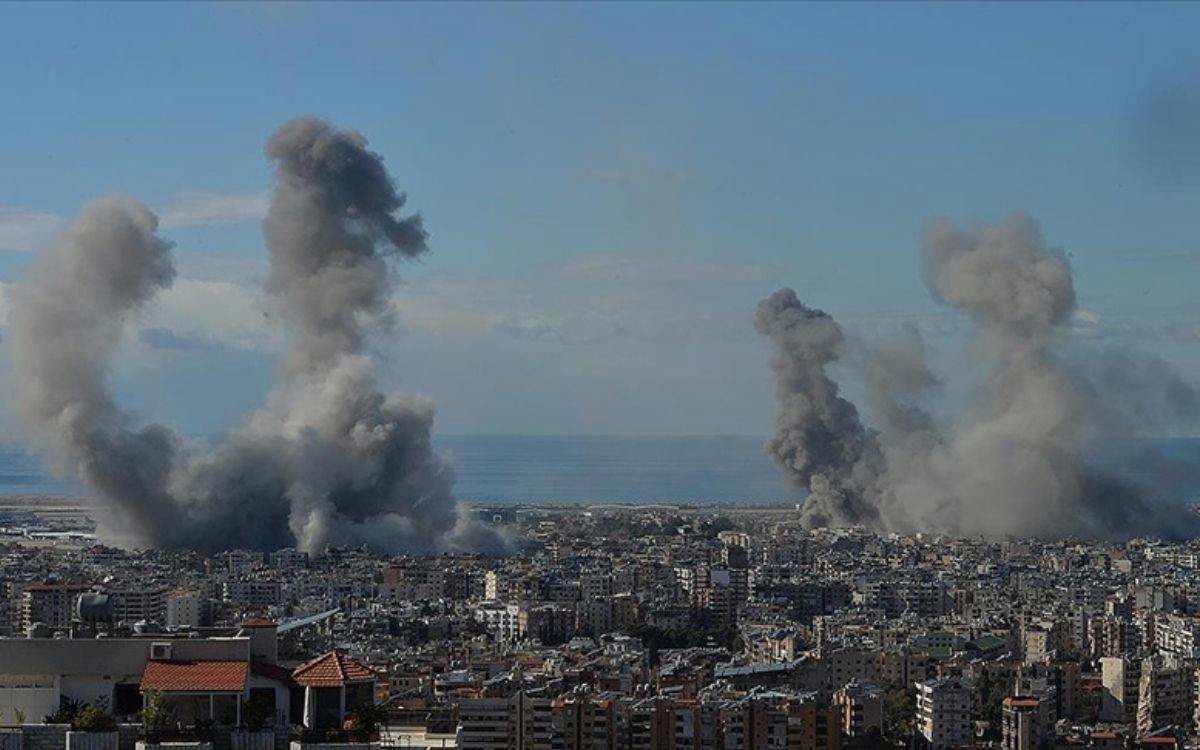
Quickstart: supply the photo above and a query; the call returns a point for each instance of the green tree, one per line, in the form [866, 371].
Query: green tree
[94, 719]
[899, 713]
[154, 711]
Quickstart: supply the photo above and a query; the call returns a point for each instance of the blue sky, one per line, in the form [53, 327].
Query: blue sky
[610, 189]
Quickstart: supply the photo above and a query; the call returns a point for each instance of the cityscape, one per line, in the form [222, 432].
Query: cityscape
[599, 376]
[611, 628]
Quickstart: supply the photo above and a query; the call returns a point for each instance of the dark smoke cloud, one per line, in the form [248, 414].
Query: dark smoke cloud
[329, 458]
[1014, 463]
[818, 437]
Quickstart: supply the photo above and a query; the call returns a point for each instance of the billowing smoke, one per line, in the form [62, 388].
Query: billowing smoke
[329, 458]
[1015, 461]
[818, 438]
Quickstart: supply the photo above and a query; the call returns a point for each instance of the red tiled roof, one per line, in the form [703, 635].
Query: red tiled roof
[259, 622]
[332, 670]
[195, 676]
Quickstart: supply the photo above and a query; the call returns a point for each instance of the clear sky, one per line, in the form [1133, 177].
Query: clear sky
[610, 189]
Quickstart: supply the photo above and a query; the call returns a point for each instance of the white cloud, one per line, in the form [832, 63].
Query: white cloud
[27, 229]
[591, 299]
[198, 208]
[657, 268]
[217, 313]
[585, 327]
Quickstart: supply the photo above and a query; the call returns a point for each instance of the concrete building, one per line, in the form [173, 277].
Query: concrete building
[1166, 694]
[944, 712]
[1025, 723]
[51, 604]
[502, 620]
[1120, 678]
[36, 675]
[519, 722]
[813, 726]
[861, 706]
[185, 609]
[132, 604]
[256, 594]
[585, 722]
[1178, 635]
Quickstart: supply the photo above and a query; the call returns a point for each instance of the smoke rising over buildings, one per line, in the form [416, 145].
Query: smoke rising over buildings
[329, 458]
[1014, 461]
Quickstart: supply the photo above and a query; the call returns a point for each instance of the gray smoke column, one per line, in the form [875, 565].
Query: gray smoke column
[68, 321]
[329, 458]
[819, 438]
[1014, 461]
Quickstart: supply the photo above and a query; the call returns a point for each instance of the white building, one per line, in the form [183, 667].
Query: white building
[37, 673]
[131, 604]
[257, 594]
[185, 609]
[944, 712]
[1177, 634]
[501, 619]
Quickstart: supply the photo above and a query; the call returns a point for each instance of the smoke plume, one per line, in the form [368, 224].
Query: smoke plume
[329, 458]
[1015, 461]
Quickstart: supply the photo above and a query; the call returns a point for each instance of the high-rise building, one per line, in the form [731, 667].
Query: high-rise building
[519, 722]
[944, 712]
[861, 706]
[1025, 723]
[1166, 693]
[1120, 678]
[186, 609]
[52, 604]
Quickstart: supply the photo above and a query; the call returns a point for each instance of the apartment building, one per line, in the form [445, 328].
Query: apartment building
[1166, 693]
[861, 707]
[131, 604]
[1120, 678]
[1025, 723]
[186, 609]
[1178, 635]
[253, 593]
[51, 604]
[519, 722]
[944, 712]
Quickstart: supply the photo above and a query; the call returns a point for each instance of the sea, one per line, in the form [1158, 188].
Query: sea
[498, 469]
[504, 469]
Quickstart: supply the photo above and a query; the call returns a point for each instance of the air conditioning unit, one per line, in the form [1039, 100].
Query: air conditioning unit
[160, 651]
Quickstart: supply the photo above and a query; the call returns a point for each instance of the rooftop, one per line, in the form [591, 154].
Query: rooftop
[332, 670]
[195, 676]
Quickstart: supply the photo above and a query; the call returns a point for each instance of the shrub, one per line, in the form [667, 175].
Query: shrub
[154, 713]
[93, 719]
[67, 710]
[366, 718]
